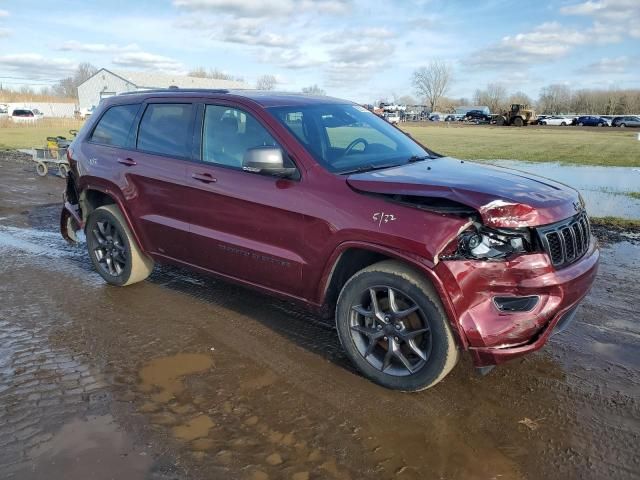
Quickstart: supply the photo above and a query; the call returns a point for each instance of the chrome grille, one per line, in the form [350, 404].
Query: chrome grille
[566, 241]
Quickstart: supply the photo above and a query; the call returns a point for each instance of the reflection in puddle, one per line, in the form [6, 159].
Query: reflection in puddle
[604, 188]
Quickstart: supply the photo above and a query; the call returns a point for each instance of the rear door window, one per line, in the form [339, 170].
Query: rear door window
[114, 126]
[166, 129]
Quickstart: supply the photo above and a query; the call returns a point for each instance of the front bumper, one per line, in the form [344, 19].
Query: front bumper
[495, 336]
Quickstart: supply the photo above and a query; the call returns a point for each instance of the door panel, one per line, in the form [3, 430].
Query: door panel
[155, 176]
[157, 191]
[243, 225]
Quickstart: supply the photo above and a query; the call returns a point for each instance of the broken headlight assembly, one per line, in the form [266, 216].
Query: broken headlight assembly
[483, 243]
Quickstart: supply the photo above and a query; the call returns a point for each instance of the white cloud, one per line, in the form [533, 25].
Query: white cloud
[5, 32]
[355, 62]
[36, 66]
[613, 20]
[546, 42]
[4, 13]
[339, 36]
[265, 8]
[608, 66]
[290, 58]
[75, 46]
[148, 61]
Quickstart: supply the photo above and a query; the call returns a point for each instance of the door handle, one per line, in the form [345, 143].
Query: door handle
[204, 177]
[129, 162]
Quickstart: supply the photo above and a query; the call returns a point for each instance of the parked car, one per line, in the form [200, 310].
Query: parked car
[626, 121]
[22, 115]
[416, 256]
[392, 117]
[435, 117]
[591, 121]
[454, 117]
[607, 118]
[555, 120]
[477, 116]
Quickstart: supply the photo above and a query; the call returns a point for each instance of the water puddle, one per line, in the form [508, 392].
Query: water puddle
[164, 375]
[605, 189]
[94, 448]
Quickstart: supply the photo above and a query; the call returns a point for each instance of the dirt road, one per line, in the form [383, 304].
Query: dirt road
[187, 377]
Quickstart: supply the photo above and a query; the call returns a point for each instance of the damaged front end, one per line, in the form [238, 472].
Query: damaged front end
[71, 222]
[507, 293]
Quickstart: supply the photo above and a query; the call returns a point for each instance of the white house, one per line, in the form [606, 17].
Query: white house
[106, 83]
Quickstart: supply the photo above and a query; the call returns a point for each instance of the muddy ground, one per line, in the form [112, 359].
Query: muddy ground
[187, 377]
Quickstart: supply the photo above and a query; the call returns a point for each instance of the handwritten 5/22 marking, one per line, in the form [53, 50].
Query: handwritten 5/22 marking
[381, 217]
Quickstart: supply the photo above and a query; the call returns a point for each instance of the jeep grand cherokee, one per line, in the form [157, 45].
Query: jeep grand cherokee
[314, 199]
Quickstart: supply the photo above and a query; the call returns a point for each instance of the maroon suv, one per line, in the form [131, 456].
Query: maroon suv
[317, 200]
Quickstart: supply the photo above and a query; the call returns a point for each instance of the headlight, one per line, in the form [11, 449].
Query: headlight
[482, 243]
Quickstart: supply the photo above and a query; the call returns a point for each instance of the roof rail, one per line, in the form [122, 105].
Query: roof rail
[173, 89]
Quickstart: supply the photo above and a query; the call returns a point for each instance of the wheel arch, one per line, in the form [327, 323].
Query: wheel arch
[351, 257]
[93, 196]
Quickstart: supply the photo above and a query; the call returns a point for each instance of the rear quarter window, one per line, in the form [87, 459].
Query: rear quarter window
[114, 126]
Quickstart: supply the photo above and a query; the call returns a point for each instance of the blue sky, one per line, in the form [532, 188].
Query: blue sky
[362, 50]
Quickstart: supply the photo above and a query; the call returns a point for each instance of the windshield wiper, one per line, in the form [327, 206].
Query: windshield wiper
[370, 167]
[418, 158]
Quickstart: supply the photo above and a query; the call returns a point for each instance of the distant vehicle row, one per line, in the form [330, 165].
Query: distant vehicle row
[591, 120]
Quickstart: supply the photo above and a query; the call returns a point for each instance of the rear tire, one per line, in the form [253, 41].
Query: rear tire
[580, 124]
[113, 249]
[423, 347]
[518, 122]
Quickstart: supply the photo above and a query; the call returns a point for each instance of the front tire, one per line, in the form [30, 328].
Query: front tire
[113, 249]
[392, 326]
[518, 122]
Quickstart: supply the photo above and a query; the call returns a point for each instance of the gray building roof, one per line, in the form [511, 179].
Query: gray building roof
[165, 80]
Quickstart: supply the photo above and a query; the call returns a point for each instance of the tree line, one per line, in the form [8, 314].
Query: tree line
[432, 82]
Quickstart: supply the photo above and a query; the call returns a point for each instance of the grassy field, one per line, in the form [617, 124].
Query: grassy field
[30, 135]
[606, 146]
[587, 146]
[616, 223]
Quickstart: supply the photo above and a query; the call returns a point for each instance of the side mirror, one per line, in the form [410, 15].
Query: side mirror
[267, 161]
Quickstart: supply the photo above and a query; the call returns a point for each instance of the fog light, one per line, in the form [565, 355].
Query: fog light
[515, 304]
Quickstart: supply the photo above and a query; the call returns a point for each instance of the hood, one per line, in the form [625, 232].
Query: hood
[504, 197]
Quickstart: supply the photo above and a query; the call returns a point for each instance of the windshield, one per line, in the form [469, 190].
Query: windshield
[347, 138]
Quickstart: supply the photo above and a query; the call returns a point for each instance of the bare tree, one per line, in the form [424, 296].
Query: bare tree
[201, 72]
[433, 81]
[555, 99]
[521, 98]
[313, 90]
[266, 82]
[407, 100]
[494, 97]
[68, 87]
